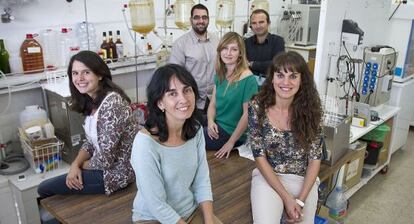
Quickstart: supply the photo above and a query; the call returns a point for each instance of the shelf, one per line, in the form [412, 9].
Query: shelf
[34, 179]
[20, 82]
[385, 112]
[364, 181]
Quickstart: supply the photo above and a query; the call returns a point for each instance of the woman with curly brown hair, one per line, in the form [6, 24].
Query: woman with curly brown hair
[284, 133]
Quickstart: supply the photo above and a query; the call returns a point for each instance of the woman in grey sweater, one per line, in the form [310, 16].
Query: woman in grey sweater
[169, 157]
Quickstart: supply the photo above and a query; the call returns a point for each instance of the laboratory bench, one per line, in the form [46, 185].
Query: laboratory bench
[231, 188]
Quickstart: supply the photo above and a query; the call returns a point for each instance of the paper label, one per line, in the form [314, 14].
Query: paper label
[352, 169]
[32, 50]
[76, 139]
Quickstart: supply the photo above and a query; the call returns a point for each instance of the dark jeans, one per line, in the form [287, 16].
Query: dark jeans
[216, 144]
[92, 184]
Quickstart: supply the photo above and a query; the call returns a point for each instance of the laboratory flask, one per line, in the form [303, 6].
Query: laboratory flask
[182, 11]
[260, 4]
[142, 15]
[225, 13]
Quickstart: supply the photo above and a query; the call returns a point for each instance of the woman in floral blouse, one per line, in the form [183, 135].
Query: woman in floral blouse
[102, 165]
[284, 133]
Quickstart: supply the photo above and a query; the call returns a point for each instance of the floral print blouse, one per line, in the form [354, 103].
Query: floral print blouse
[279, 147]
[116, 130]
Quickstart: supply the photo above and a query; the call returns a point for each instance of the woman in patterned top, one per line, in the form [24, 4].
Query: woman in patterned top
[234, 86]
[102, 165]
[284, 133]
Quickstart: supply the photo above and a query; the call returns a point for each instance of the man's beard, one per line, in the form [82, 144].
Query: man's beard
[200, 31]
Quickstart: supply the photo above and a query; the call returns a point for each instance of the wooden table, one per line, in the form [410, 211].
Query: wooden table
[230, 180]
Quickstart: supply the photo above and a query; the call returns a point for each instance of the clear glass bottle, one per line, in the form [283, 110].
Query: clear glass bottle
[182, 11]
[4, 58]
[119, 45]
[260, 4]
[142, 15]
[32, 55]
[225, 13]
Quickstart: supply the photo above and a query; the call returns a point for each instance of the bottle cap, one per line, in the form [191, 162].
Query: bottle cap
[110, 33]
[29, 36]
[118, 32]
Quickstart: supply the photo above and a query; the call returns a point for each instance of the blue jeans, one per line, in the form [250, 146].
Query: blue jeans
[216, 144]
[92, 184]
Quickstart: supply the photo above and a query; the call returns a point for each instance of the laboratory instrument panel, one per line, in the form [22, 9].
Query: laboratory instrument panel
[307, 32]
[376, 81]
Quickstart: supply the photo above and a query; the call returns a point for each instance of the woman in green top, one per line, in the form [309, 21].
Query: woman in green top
[234, 86]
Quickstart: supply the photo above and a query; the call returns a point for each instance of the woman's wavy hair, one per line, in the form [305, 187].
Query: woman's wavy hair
[83, 103]
[159, 85]
[242, 64]
[306, 106]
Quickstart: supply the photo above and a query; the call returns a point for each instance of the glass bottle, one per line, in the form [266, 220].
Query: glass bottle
[119, 45]
[4, 58]
[112, 48]
[260, 4]
[142, 15]
[182, 11]
[225, 13]
[104, 46]
[32, 55]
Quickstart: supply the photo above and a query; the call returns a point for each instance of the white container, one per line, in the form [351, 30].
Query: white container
[32, 115]
[34, 132]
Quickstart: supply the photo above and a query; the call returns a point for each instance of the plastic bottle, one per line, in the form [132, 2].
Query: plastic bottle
[4, 58]
[31, 53]
[337, 205]
[68, 46]
[86, 34]
[32, 115]
[49, 41]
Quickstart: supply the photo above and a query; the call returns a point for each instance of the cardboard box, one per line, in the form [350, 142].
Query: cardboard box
[353, 169]
[383, 155]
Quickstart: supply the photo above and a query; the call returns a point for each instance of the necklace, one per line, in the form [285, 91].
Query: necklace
[279, 119]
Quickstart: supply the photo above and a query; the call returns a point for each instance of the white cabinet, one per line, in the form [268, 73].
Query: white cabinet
[402, 95]
[25, 192]
[8, 210]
